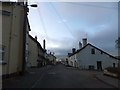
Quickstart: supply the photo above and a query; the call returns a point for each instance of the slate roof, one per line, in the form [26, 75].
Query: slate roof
[95, 48]
[37, 42]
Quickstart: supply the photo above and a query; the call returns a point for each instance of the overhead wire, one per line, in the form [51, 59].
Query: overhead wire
[60, 17]
[42, 22]
[88, 5]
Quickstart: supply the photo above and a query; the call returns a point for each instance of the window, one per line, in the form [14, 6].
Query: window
[101, 52]
[93, 51]
[113, 65]
[6, 13]
[91, 67]
[2, 52]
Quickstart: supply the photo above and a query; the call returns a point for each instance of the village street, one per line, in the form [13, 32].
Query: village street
[57, 76]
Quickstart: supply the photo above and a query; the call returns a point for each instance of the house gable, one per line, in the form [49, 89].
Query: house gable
[102, 52]
[39, 45]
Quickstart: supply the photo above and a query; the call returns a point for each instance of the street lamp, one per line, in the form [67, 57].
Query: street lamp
[33, 5]
[26, 9]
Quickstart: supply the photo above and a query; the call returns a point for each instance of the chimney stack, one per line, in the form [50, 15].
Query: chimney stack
[73, 50]
[21, 2]
[84, 41]
[53, 53]
[36, 37]
[44, 44]
[80, 45]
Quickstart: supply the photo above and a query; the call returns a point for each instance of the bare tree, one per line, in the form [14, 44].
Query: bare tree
[118, 46]
[118, 42]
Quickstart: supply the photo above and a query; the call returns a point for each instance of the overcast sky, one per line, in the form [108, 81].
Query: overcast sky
[64, 24]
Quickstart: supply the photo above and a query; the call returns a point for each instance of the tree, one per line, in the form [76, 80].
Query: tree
[118, 46]
[118, 43]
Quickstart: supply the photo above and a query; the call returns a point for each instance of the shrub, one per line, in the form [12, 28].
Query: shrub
[112, 69]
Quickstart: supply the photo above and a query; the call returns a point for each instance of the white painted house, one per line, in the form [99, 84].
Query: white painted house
[91, 57]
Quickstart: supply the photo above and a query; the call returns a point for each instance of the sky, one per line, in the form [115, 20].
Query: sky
[64, 24]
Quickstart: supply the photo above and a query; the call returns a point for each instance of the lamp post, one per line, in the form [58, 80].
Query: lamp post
[25, 33]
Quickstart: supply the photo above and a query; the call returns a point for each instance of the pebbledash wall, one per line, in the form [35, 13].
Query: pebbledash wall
[0, 38]
[32, 52]
[0, 44]
[84, 58]
[36, 54]
[12, 38]
[52, 58]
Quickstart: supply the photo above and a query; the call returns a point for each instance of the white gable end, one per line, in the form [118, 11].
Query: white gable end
[98, 60]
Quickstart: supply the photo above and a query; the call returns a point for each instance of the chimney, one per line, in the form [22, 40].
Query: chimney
[21, 2]
[84, 41]
[73, 50]
[44, 44]
[69, 54]
[53, 53]
[80, 45]
[36, 37]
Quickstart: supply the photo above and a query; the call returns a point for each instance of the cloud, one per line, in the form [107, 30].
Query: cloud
[60, 52]
[104, 39]
[96, 21]
[64, 43]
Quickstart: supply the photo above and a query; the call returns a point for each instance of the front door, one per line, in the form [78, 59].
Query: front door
[99, 65]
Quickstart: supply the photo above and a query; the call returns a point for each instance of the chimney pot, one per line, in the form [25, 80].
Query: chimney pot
[73, 50]
[84, 41]
[44, 44]
[36, 37]
[80, 45]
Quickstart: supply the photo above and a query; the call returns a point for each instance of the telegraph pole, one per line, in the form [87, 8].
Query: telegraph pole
[24, 37]
[26, 9]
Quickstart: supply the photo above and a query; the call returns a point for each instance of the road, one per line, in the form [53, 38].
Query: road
[60, 76]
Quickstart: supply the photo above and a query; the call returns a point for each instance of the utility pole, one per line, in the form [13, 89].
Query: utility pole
[24, 37]
[26, 9]
[118, 44]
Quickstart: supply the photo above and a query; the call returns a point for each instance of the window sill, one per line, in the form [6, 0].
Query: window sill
[2, 63]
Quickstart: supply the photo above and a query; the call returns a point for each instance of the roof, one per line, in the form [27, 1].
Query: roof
[95, 48]
[51, 55]
[36, 42]
[11, 3]
[5, 2]
[28, 24]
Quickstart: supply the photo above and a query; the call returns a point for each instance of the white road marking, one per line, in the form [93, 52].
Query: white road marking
[51, 73]
[37, 81]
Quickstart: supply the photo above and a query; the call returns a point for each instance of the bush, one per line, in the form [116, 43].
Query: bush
[112, 69]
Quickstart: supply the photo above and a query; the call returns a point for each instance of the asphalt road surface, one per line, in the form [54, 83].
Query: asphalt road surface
[58, 76]
[61, 76]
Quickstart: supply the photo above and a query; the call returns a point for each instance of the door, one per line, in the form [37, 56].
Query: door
[99, 65]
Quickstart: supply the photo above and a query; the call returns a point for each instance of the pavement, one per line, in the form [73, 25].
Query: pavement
[114, 82]
[27, 80]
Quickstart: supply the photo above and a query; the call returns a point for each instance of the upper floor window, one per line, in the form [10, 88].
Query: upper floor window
[6, 13]
[101, 52]
[92, 51]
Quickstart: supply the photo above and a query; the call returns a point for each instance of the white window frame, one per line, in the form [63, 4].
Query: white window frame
[2, 52]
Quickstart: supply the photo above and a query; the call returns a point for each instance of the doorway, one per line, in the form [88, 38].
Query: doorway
[99, 65]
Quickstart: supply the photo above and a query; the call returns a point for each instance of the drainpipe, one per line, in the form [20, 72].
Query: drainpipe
[9, 46]
[24, 39]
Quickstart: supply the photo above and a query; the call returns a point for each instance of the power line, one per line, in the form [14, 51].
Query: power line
[42, 21]
[88, 5]
[60, 17]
